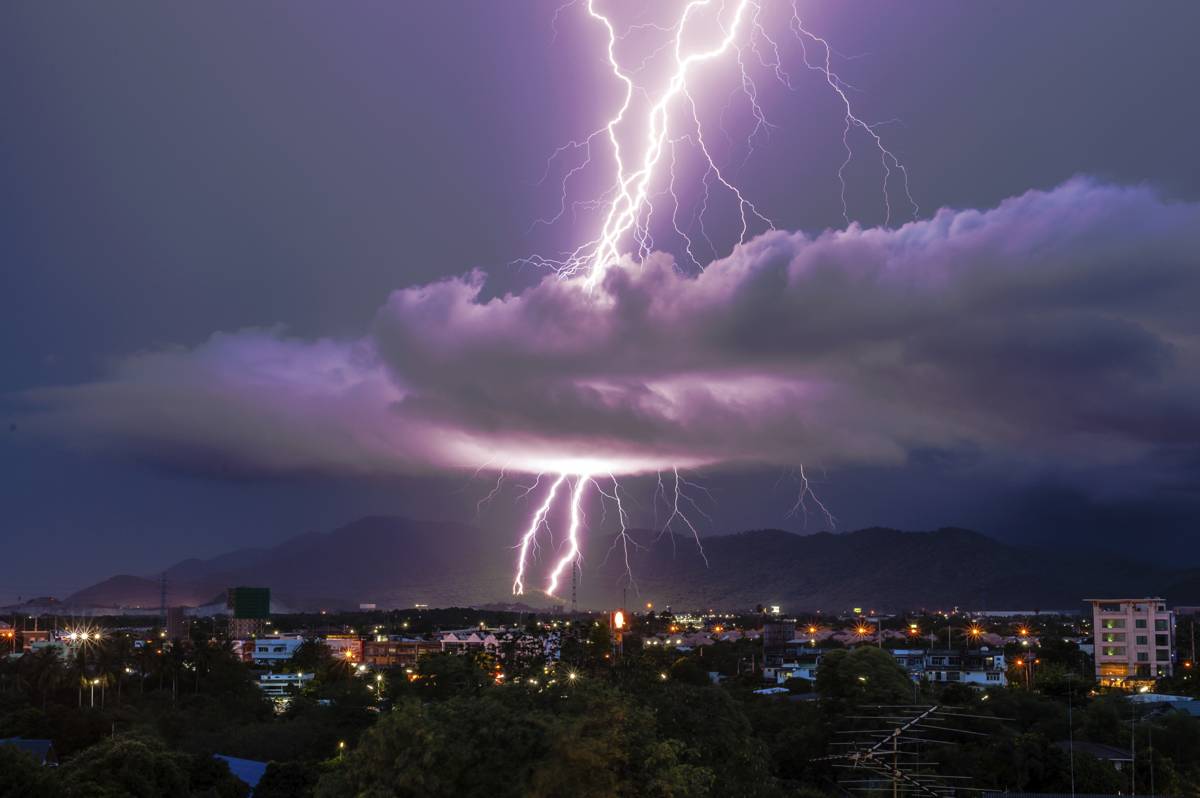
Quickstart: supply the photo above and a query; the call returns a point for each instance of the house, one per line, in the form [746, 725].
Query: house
[279, 684]
[464, 640]
[247, 770]
[1117, 757]
[347, 647]
[981, 667]
[801, 668]
[387, 651]
[275, 649]
[42, 751]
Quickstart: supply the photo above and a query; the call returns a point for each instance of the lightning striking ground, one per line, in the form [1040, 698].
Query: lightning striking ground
[643, 141]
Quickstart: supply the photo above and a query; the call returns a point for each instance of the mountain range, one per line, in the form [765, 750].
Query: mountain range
[398, 562]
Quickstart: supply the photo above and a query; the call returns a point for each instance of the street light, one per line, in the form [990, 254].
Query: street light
[1027, 665]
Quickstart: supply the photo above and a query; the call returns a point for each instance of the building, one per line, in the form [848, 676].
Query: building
[248, 770]
[392, 651]
[179, 626]
[462, 641]
[31, 637]
[275, 649]
[776, 636]
[249, 608]
[981, 667]
[1134, 641]
[41, 751]
[280, 684]
[347, 647]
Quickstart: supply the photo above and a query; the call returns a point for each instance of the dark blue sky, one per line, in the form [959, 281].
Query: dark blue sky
[170, 171]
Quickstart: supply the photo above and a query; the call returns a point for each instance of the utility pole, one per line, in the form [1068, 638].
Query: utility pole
[1071, 729]
[896, 764]
[162, 602]
[1133, 746]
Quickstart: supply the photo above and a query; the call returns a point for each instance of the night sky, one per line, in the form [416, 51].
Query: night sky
[258, 279]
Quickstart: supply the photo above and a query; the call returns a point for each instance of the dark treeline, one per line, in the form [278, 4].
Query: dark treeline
[596, 722]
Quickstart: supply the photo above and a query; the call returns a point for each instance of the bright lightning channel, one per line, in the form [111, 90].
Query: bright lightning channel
[627, 209]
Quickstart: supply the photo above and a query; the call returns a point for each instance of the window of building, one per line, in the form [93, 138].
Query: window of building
[1110, 608]
[1143, 656]
[1113, 637]
[1160, 624]
[993, 677]
[1113, 623]
[1162, 654]
[1114, 651]
[1141, 640]
[1140, 623]
[1160, 640]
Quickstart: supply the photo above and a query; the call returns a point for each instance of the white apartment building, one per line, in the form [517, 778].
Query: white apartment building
[275, 649]
[1135, 641]
[278, 684]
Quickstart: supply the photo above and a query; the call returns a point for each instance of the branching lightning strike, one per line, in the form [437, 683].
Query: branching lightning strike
[644, 149]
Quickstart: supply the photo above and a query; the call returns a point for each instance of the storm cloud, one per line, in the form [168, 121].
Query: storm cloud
[1061, 324]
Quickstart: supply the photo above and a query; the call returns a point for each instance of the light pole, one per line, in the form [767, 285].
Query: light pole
[1027, 666]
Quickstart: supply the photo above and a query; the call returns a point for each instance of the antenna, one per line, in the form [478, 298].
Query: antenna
[889, 752]
[575, 589]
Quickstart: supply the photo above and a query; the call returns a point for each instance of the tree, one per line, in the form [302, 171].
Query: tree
[584, 740]
[125, 766]
[863, 675]
[311, 656]
[288, 780]
[688, 671]
[23, 777]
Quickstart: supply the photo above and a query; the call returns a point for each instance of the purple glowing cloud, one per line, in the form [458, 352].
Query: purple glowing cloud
[1060, 323]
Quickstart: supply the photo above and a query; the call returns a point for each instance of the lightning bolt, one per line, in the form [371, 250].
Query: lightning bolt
[528, 539]
[627, 205]
[571, 557]
[644, 159]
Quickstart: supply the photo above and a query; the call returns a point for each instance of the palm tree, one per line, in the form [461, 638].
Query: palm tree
[119, 654]
[46, 672]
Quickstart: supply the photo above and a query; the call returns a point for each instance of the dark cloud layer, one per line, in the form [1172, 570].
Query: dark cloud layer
[1059, 324]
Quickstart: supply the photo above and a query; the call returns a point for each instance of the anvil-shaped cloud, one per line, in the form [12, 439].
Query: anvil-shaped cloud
[1061, 323]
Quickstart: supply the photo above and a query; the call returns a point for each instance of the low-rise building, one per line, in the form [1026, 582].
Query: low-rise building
[275, 649]
[981, 667]
[280, 684]
[41, 751]
[394, 651]
[978, 667]
[346, 647]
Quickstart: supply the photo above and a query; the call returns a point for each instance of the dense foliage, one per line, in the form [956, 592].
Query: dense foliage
[602, 720]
